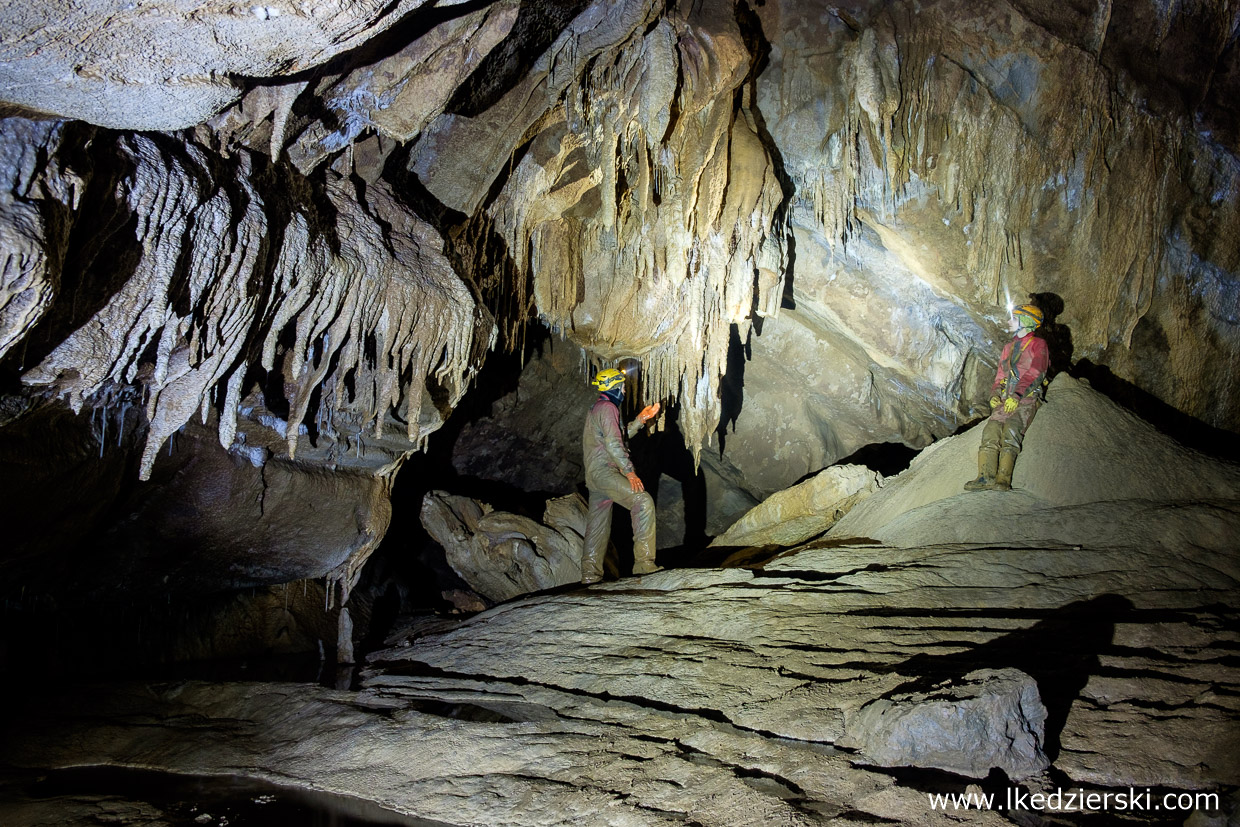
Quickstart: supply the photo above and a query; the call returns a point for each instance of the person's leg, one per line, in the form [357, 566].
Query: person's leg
[643, 516]
[1003, 475]
[987, 457]
[641, 508]
[1013, 438]
[598, 530]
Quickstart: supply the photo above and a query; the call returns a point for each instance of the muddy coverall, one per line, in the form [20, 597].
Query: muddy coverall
[607, 462]
[1022, 369]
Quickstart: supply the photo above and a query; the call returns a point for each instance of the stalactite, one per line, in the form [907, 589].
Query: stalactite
[393, 286]
[684, 219]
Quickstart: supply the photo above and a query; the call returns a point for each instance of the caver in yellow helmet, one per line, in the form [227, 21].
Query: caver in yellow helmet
[608, 379]
[1031, 313]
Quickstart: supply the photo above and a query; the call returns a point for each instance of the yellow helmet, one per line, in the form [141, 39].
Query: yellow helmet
[608, 379]
[1030, 311]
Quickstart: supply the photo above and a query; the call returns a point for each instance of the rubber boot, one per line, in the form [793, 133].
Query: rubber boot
[987, 468]
[591, 570]
[1003, 479]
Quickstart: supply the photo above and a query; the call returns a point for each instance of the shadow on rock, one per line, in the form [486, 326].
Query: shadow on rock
[1059, 652]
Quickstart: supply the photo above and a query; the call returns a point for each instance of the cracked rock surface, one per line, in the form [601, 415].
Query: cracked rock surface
[743, 696]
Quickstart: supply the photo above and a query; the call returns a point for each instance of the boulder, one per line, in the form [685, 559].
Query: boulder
[503, 555]
[990, 718]
[803, 511]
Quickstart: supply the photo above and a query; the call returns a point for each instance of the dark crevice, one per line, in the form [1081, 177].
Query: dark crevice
[822, 576]
[415, 668]
[538, 24]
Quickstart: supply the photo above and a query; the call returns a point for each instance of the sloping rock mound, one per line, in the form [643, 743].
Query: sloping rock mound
[503, 555]
[804, 511]
[1090, 474]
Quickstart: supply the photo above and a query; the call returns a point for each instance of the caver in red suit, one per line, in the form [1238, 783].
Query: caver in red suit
[1014, 399]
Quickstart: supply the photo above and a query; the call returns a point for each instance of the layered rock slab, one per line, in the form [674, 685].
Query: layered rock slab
[467, 752]
[716, 695]
[798, 648]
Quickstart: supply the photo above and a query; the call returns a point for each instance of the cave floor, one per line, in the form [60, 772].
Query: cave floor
[715, 696]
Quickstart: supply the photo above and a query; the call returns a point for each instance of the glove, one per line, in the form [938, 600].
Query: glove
[635, 483]
[1010, 404]
[994, 402]
[648, 413]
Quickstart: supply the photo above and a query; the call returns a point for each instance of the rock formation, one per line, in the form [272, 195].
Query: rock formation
[340, 229]
[256, 260]
[803, 511]
[502, 555]
[746, 696]
[991, 718]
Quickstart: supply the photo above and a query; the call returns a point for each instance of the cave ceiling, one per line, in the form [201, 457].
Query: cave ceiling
[298, 229]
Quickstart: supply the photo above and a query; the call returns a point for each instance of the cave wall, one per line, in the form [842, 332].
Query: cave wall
[803, 219]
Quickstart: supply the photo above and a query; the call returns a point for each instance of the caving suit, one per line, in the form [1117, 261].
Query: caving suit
[1021, 374]
[607, 462]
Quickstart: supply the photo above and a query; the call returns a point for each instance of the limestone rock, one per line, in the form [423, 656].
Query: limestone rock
[988, 719]
[278, 313]
[723, 695]
[1082, 456]
[395, 97]
[735, 135]
[38, 191]
[804, 511]
[573, 209]
[157, 68]
[258, 262]
[502, 555]
[208, 521]
[538, 757]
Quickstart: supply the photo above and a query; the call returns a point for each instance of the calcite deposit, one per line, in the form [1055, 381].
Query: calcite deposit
[269, 273]
[851, 193]
[787, 690]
